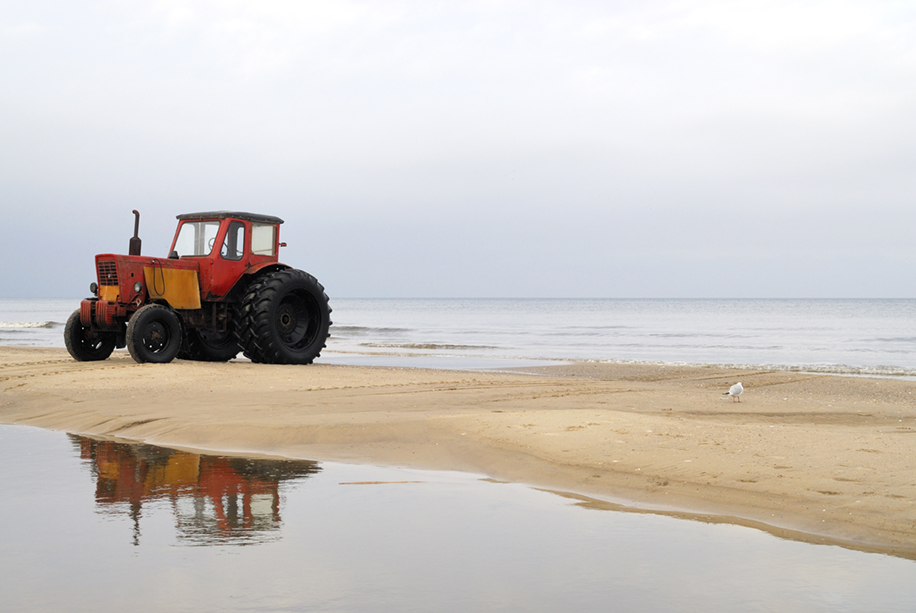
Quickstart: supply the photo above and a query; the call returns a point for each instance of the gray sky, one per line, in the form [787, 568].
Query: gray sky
[529, 149]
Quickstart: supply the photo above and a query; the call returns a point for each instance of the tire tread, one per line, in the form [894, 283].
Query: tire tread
[255, 326]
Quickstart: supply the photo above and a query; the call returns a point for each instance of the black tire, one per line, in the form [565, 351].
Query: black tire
[154, 334]
[86, 345]
[284, 318]
[207, 346]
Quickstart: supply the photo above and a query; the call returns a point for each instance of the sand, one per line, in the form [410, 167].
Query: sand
[818, 458]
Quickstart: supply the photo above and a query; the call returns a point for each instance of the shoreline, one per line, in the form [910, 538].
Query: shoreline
[820, 458]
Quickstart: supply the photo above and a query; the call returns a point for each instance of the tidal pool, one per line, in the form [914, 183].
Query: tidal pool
[96, 525]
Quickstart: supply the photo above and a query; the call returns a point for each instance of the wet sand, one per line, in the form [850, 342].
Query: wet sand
[819, 458]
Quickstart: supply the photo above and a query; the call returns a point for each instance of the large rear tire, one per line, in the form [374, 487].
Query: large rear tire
[86, 345]
[284, 318]
[154, 334]
[207, 346]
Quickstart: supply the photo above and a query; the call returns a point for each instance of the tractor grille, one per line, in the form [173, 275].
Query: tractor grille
[108, 272]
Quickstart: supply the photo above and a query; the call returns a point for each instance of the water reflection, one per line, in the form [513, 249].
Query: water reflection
[452, 543]
[216, 500]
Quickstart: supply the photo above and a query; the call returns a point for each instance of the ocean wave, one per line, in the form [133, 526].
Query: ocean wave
[702, 347]
[821, 369]
[366, 330]
[16, 325]
[880, 371]
[424, 346]
[888, 372]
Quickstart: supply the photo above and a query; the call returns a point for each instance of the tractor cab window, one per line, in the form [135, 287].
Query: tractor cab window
[234, 244]
[263, 239]
[196, 238]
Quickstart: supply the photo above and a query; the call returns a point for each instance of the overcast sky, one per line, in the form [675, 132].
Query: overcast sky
[472, 149]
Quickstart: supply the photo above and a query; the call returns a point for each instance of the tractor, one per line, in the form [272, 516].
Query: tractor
[220, 291]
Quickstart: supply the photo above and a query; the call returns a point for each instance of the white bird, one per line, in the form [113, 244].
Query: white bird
[735, 391]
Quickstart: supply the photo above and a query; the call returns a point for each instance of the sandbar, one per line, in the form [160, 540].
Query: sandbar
[819, 458]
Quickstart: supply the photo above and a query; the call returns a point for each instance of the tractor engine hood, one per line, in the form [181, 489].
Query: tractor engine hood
[126, 279]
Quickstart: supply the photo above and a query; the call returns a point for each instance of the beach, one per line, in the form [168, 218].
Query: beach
[814, 457]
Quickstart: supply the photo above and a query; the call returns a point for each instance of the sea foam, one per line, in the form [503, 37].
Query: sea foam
[13, 325]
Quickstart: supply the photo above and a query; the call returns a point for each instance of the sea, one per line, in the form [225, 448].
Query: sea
[867, 337]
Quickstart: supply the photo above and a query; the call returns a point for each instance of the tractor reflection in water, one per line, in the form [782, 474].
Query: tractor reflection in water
[216, 500]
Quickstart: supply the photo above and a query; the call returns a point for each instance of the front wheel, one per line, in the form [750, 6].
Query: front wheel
[154, 334]
[284, 318]
[85, 344]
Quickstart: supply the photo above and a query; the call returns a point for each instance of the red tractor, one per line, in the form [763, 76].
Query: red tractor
[221, 290]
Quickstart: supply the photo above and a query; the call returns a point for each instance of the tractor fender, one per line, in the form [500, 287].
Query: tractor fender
[254, 272]
[265, 267]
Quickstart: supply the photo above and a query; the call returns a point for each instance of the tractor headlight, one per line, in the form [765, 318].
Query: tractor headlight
[94, 288]
[138, 287]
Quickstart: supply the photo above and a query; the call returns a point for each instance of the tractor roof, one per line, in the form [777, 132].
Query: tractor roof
[233, 214]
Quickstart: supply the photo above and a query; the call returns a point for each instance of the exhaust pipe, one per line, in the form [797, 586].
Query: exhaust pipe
[135, 241]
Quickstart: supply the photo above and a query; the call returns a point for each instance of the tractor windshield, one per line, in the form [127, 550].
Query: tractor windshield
[196, 238]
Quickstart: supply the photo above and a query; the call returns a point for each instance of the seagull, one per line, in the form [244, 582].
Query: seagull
[735, 391]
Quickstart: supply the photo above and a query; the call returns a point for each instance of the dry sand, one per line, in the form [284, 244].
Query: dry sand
[819, 458]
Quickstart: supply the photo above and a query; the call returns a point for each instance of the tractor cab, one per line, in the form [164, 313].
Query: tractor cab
[226, 245]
